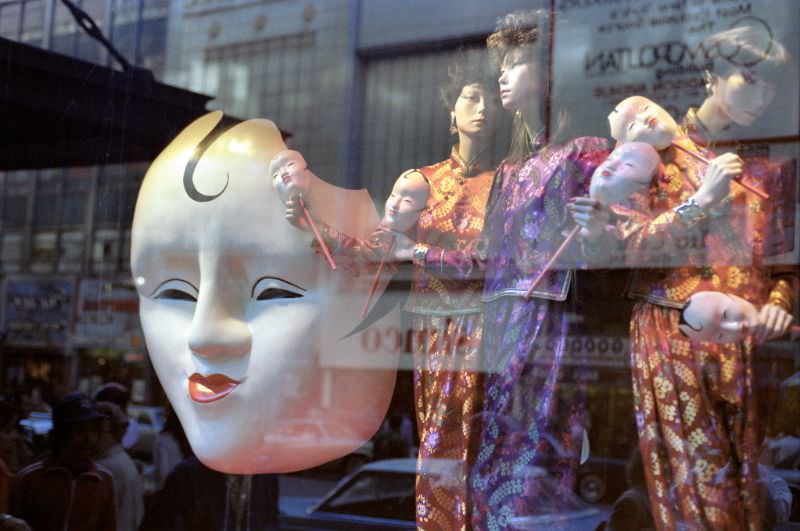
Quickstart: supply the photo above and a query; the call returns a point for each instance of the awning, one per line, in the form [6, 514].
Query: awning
[58, 111]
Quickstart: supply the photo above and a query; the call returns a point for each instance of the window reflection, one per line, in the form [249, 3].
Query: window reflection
[554, 394]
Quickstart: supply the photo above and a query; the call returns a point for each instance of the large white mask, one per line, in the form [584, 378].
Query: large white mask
[243, 323]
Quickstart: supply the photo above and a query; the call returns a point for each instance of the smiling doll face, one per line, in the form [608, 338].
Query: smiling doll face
[290, 175]
[638, 119]
[406, 201]
[718, 317]
[238, 312]
[626, 171]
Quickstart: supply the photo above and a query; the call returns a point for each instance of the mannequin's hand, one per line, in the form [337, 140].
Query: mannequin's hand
[591, 215]
[773, 321]
[403, 245]
[294, 214]
[717, 180]
[403, 248]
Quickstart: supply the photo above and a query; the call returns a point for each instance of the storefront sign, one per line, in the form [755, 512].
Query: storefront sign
[607, 50]
[37, 311]
[107, 316]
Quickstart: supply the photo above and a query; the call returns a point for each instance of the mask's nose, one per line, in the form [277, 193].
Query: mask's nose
[216, 331]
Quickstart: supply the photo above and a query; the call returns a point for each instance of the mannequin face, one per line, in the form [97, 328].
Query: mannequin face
[407, 200]
[627, 170]
[742, 95]
[475, 112]
[238, 312]
[289, 173]
[637, 119]
[718, 317]
[519, 80]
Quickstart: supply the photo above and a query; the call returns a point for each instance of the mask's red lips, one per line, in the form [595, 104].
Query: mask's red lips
[210, 388]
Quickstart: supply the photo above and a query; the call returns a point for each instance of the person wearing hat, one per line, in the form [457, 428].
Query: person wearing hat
[118, 394]
[67, 490]
[127, 482]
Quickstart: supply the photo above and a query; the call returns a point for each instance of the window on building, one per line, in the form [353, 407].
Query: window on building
[70, 255]
[11, 256]
[43, 252]
[105, 250]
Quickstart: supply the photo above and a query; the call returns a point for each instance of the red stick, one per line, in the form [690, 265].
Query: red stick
[699, 157]
[317, 235]
[375, 280]
[549, 264]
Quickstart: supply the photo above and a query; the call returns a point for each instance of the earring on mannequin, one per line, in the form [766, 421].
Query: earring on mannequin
[453, 128]
[708, 81]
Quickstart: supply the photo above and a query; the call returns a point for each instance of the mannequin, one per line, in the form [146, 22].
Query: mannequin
[243, 327]
[524, 340]
[738, 92]
[440, 205]
[693, 234]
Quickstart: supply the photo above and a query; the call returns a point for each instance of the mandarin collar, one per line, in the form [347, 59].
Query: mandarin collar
[471, 168]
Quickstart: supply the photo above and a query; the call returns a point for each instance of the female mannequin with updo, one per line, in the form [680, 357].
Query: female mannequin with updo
[441, 205]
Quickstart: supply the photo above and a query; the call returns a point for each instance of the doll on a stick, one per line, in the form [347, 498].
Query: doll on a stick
[639, 119]
[292, 179]
[718, 317]
[403, 207]
[627, 171]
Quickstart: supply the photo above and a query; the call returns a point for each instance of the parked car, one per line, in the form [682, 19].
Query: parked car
[599, 478]
[38, 424]
[381, 496]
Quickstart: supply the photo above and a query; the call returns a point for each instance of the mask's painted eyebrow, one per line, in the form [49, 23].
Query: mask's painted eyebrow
[170, 280]
[267, 277]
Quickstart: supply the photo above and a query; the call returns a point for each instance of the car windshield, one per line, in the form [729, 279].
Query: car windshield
[375, 494]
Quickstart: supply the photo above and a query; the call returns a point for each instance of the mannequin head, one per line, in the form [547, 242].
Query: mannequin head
[290, 175]
[514, 46]
[717, 317]
[519, 47]
[638, 119]
[238, 313]
[627, 170]
[407, 200]
[471, 96]
[742, 83]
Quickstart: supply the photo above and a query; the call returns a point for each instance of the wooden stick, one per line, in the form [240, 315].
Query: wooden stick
[376, 279]
[317, 235]
[700, 158]
[549, 264]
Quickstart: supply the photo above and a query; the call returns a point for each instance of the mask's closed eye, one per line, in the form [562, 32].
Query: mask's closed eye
[176, 289]
[269, 288]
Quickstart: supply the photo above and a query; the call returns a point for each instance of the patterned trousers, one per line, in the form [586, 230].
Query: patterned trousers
[695, 414]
